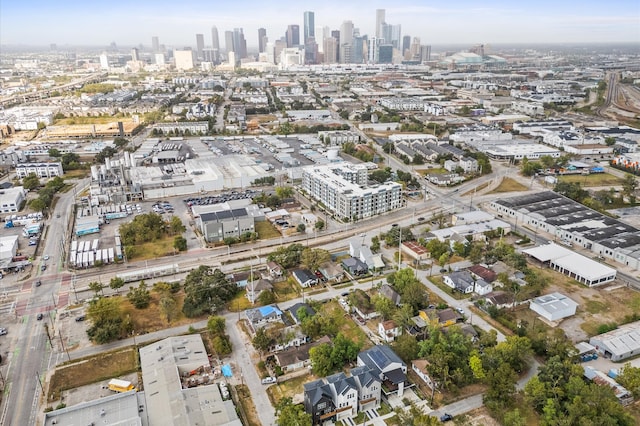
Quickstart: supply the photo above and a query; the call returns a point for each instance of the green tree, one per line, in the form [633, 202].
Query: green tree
[319, 225]
[301, 227]
[37, 204]
[284, 191]
[30, 182]
[312, 258]
[206, 290]
[287, 257]
[116, 283]
[54, 153]
[262, 341]
[222, 345]
[96, 287]
[415, 295]
[168, 307]
[384, 306]
[406, 347]
[629, 186]
[266, 297]
[514, 418]
[610, 141]
[629, 377]
[216, 325]
[180, 243]
[414, 416]
[176, 226]
[107, 320]
[290, 414]
[140, 297]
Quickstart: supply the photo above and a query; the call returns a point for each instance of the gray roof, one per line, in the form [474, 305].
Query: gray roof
[293, 310]
[379, 357]
[389, 292]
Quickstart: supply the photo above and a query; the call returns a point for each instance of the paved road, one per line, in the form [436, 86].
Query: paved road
[28, 360]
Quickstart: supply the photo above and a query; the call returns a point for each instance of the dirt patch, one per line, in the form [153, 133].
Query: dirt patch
[246, 406]
[91, 370]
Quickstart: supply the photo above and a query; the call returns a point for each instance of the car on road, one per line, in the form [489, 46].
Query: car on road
[460, 310]
[3, 331]
[80, 318]
[46, 257]
[269, 380]
[40, 316]
[43, 267]
[38, 283]
[446, 417]
[395, 225]
[421, 219]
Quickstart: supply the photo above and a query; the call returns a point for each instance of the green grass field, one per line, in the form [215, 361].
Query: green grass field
[596, 179]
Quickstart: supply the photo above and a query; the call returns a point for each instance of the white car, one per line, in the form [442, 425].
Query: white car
[269, 380]
[46, 257]
[460, 310]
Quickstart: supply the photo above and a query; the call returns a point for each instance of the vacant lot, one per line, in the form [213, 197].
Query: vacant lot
[247, 407]
[289, 388]
[151, 318]
[266, 230]
[596, 179]
[91, 370]
[347, 326]
[509, 185]
[154, 249]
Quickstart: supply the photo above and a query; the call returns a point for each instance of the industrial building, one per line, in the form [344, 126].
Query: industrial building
[582, 269]
[572, 223]
[343, 188]
[553, 307]
[122, 408]
[179, 386]
[221, 222]
[11, 199]
[619, 344]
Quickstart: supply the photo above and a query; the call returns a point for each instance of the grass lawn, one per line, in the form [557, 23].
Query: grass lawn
[266, 230]
[151, 318]
[154, 249]
[347, 326]
[94, 369]
[476, 189]
[434, 171]
[247, 407]
[76, 174]
[286, 290]
[596, 179]
[509, 185]
[239, 303]
[289, 388]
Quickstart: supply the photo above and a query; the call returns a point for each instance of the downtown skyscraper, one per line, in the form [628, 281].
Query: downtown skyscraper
[309, 25]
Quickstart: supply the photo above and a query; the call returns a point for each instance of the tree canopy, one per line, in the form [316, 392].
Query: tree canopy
[206, 290]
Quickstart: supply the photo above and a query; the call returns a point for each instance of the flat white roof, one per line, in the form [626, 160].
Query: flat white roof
[571, 261]
[554, 302]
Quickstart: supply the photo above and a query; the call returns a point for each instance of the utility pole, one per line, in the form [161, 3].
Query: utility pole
[63, 347]
[40, 382]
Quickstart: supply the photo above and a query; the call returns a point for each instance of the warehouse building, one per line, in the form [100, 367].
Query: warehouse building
[573, 224]
[582, 269]
[619, 344]
[11, 199]
[220, 222]
[553, 307]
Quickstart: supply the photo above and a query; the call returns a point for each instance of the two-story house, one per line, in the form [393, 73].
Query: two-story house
[387, 366]
[259, 317]
[389, 330]
[461, 281]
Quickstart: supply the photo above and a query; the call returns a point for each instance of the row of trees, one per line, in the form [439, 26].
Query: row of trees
[150, 227]
[296, 254]
[46, 194]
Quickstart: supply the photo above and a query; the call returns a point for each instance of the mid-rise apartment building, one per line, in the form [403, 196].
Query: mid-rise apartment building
[42, 170]
[344, 190]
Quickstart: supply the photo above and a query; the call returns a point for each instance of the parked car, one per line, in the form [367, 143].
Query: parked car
[40, 316]
[446, 417]
[80, 318]
[46, 257]
[38, 283]
[269, 380]
[3, 331]
[460, 310]
[43, 267]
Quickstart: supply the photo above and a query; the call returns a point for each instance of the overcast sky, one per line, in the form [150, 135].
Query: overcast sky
[131, 22]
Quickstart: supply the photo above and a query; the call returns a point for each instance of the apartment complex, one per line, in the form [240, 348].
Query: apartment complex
[42, 170]
[344, 189]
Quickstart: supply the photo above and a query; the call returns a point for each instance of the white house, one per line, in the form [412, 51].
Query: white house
[419, 366]
[388, 330]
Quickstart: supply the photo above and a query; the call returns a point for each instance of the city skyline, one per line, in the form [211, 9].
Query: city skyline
[177, 23]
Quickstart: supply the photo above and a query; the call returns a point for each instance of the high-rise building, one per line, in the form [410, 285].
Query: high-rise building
[183, 59]
[293, 35]
[330, 50]
[309, 26]
[385, 54]
[155, 44]
[200, 46]
[134, 55]
[104, 61]
[357, 52]
[372, 49]
[380, 16]
[228, 41]
[346, 42]
[262, 39]
[215, 44]
[239, 44]
[406, 44]
[310, 51]
[425, 53]
[336, 34]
